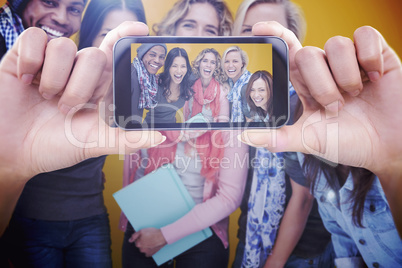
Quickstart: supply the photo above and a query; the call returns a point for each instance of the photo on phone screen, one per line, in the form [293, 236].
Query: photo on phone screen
[200, 83]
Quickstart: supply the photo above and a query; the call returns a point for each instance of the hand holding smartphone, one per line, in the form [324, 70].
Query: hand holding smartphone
[174, 83]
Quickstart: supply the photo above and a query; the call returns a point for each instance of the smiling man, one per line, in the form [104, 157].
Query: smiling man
[58, 18]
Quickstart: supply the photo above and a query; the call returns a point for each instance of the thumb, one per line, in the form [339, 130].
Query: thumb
[285, 139]
[134, 237]
[119, 141]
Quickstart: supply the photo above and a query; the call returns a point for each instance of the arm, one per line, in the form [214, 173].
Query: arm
[355, 102]
[227, 198]
[292, 225]
[40, 109]
[11, 188]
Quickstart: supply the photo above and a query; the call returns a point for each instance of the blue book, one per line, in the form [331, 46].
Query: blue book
[156, 200]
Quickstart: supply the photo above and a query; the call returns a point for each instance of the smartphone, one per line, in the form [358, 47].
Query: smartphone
[184, 83]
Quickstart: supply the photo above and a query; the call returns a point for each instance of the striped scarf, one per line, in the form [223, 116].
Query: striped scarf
[235, 96]
[148, 86]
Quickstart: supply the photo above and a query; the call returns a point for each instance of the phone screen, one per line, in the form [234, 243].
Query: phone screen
[200, 83]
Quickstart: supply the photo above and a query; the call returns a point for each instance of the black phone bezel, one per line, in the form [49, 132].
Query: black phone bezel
[122, 82]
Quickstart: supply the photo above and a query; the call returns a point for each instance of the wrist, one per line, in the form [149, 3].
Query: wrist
[270, 263]
[14, 176]
[162, 240]
[389, 170]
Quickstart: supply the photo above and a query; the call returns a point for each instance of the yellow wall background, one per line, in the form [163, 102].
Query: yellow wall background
[324, 20]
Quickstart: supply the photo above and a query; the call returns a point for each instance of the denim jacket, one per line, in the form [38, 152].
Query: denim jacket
[377, 244]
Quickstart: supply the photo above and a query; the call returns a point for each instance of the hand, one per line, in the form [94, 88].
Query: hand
[148, 240]
[351, 94]
[44, 88]
[347, 118]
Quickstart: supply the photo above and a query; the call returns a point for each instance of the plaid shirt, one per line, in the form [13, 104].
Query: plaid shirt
[10, 25]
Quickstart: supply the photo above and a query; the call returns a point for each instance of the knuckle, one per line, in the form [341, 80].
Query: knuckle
[308, 53]
[338, 43]
[78, 96]
[93, 56]
[349, 83]
[62, 46]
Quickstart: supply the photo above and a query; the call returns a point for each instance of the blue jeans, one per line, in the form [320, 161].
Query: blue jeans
[78, 243]
[209, 253]
[325, 260]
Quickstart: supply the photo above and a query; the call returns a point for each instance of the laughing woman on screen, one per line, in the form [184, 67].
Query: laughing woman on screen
[174, 88]
[234, 62]
[259, 96]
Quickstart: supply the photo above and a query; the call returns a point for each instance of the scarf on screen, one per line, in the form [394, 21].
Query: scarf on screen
[234, 96]
[148, 86]
[208, 153]
[266, 206]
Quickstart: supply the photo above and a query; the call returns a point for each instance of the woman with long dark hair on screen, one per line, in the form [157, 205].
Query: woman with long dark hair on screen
[174, 87]
[259, 94]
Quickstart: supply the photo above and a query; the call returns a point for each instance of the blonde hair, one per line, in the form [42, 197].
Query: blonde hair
[243, 55]
[218, 74]
[167, 26]
[294, 16]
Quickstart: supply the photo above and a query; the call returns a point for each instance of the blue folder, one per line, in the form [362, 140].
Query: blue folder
[156, 200]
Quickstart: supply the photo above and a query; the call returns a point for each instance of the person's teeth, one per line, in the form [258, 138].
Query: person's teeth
[52, 31]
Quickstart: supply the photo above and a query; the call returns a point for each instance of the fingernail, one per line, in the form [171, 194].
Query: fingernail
[162, 141]
[334, 107]
[355, 93]
[47, 96]
[239, 137]
[27, 78]
[373, 76]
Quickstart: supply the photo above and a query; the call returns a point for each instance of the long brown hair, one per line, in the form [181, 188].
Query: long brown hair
[362, 178]
[267, 78]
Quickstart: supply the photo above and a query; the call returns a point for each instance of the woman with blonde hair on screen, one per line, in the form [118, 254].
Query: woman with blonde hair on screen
[234, 63]
[208, 87]
[196, 18]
